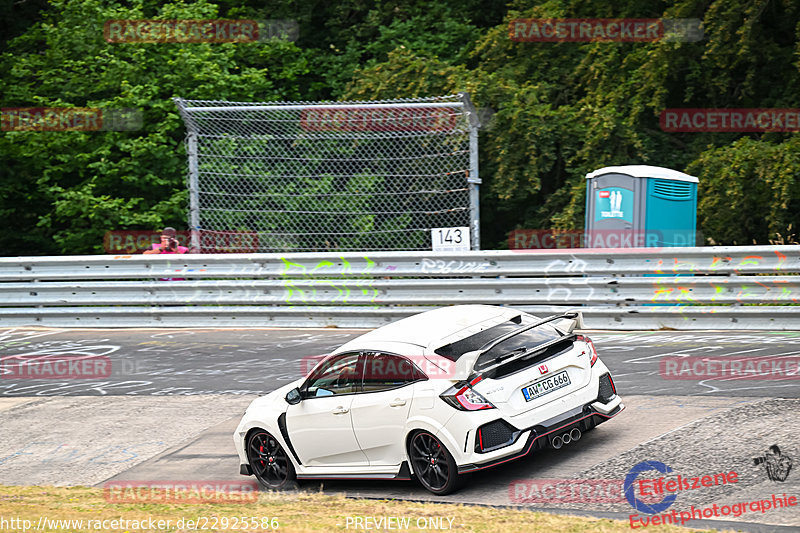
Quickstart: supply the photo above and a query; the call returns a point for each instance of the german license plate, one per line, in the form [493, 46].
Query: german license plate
[545, 386]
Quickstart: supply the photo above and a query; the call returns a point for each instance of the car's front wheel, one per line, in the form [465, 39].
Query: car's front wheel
[269, 462]
[433, 465]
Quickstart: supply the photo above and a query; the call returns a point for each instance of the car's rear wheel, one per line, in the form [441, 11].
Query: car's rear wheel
[433, 465]
[269, 462]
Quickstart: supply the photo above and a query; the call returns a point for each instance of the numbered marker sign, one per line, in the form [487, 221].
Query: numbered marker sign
[450, 239]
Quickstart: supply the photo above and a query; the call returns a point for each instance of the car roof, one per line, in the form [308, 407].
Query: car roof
[435, 328]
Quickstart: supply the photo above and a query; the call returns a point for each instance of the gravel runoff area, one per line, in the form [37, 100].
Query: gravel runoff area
[85, 440]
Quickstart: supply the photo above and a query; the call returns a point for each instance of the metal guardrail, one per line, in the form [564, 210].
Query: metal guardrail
[755, 287]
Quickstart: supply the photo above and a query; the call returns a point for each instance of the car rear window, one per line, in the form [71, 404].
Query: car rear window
[528, 339]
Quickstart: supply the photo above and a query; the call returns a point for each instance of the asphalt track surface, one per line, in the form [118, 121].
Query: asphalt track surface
[173, 397]
[256, 361]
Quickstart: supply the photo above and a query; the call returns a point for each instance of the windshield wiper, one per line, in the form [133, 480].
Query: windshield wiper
[502, 356]
[489, 345]
[523, 353]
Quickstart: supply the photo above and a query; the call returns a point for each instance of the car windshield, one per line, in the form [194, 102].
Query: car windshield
[527, 339]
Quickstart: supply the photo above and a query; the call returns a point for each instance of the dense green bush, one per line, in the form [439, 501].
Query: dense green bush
[560, 109]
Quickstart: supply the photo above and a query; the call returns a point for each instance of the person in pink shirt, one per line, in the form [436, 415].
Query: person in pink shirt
[168, 245]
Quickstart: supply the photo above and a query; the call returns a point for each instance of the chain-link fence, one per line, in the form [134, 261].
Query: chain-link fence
[327, 176]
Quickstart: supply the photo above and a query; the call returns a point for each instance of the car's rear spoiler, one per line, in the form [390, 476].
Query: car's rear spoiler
[570, 321]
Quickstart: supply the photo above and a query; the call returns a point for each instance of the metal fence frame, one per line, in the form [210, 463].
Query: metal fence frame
[195, 111]
[755, 287]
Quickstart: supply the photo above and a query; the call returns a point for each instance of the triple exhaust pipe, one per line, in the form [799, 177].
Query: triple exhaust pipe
[559, 440]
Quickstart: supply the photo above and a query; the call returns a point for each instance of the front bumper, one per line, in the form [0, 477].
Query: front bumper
[583, 418]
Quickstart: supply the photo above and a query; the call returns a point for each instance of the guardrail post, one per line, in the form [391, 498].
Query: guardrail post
[194, 193]
[473, 178]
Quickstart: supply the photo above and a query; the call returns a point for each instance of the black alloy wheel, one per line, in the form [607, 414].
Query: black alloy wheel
[433, 465]
[269, 462]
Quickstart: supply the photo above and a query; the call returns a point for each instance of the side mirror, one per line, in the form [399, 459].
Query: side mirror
[293, 396]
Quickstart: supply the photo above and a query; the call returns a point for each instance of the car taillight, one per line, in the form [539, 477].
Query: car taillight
[592, 349]
[465, 398]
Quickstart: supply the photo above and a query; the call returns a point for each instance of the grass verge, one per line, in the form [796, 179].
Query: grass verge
[298, 512]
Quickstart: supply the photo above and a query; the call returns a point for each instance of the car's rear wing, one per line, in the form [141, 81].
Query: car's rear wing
[465, 365]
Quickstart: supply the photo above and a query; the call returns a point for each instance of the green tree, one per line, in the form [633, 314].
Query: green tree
[561, 109]
[565, 109]
[67, 188]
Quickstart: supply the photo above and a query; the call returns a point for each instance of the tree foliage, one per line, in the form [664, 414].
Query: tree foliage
[560, 109]
[65, 189]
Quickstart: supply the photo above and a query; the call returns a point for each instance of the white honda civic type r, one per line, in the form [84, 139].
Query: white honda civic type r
[433, 396]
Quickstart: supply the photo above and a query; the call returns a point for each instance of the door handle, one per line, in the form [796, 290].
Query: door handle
[340, 410]
[397, 403]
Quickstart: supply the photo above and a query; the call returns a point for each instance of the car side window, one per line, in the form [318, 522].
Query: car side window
[385, 371]
[337, 375]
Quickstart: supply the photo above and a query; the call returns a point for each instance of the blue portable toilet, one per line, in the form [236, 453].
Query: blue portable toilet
[650, 206]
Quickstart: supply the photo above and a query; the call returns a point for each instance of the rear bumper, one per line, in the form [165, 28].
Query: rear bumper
[583, 418]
